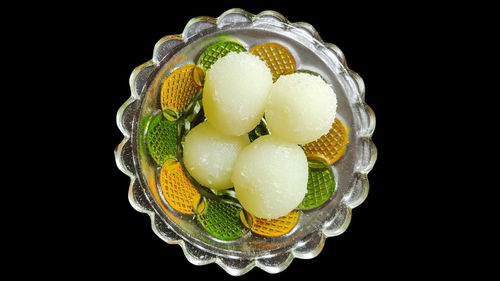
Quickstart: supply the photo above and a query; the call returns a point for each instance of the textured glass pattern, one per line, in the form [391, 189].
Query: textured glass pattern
[279, 60]
[221, 220]
[180, 87]
[320, 187]
[329, 147]
[217, 51]
[161, 139]
[177, 189]
[274, 227]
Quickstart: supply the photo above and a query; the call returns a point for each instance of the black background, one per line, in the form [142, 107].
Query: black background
[94, 231]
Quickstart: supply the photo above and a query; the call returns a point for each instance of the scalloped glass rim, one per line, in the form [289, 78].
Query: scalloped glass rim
[362, 121]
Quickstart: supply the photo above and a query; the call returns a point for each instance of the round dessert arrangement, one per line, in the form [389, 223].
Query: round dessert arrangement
[244, 140]
[247, 141]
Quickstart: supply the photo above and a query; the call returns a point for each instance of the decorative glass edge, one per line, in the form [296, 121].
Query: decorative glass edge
[310, 246]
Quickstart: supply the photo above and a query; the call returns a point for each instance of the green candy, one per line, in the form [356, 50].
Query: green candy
[320, 186]
[221, 220]
[161, 138]
[217, 51]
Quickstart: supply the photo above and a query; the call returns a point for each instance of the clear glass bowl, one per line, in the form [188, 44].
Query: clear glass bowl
[306, 239]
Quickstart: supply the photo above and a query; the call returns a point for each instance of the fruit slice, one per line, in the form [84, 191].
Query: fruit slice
[161, 138]
[274, 227]
[329, 147]
[279, 60]
[180, 87]
[320, 186]
[177, 189]
[217, 51]
[220, 219]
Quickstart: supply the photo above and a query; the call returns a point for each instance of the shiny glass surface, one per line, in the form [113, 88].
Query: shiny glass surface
[306, 239]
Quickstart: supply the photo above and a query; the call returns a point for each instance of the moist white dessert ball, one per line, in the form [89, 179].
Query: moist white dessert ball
[301, 108]
[270, 177]
[235, 92]
[209, 155]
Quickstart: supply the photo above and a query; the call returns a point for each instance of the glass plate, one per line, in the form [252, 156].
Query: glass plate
[306, 239]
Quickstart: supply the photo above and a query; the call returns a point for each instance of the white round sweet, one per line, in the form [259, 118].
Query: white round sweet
[270, 177]
[209, 155]
[235, 92]
[301, 108]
